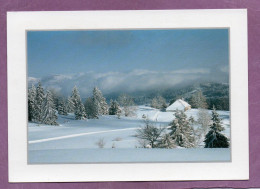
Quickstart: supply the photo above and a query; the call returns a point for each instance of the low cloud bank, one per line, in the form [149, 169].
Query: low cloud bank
[136, 80]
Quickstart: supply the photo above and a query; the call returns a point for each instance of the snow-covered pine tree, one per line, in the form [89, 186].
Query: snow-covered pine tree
[38, 103]
[62, 108]
[214, 138]
[91, 108]
[102, 105]
[181, 131]
[48, 113]
[79, 109]
[31, 103]
[70, 105]
[57, 97]
[114, 108]
[96, 108]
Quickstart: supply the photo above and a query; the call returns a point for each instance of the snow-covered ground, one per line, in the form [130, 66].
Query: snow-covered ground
[74, 141]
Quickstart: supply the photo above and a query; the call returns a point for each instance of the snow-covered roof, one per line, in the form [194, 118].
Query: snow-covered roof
[178, 104]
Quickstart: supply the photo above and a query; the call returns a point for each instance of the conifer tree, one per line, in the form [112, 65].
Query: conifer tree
[114, 108]
[100, 101]
[48, 113]
[70, 105]
[31, 103]
[38, 102]
[96, 108]
[62, 109]
[91, 108]
[79, 109]
[57, 97]
[214, 138]
[181, 131]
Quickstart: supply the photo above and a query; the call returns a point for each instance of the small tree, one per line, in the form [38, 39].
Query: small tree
[127, 103]
[48, 113]
[149, 133]
[100, 102]
[57, 98]
[91, 107]
[70, 105]
[204, 120]
[79, 109]
[62, 109]
[181, 131]
[114, 108]
[214, 138]
[38, 103]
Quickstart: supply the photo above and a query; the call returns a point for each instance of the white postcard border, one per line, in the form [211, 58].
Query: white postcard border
[19, 22]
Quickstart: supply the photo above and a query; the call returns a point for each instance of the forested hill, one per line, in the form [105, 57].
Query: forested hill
[216, 94]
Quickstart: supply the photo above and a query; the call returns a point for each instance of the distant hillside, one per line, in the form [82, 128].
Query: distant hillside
[216, 94]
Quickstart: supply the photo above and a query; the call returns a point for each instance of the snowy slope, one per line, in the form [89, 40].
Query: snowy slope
[75, 140]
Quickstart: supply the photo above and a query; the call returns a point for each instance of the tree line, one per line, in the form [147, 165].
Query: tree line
[43, 105]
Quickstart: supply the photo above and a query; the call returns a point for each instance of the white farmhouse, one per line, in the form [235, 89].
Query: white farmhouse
[178, 104]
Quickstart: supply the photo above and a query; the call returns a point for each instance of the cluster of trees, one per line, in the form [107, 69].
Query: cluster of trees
[96, 105]
[181, 132]
[43, 106]
[159, 102]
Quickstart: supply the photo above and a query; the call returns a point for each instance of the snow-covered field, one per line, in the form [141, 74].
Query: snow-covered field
[74, 141]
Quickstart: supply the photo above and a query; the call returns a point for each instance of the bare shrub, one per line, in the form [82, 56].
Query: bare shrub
[204, 119]
[117, 139]
[127, 104]
[101, 143]
[149, 135]
[113, 145]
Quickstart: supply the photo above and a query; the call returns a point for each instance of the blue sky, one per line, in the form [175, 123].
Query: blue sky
[125, 51]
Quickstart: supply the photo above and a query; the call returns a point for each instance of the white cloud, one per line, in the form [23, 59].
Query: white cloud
[135, 80]
[193, 71]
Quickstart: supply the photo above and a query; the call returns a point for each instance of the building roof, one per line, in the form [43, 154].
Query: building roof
[178, 104]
